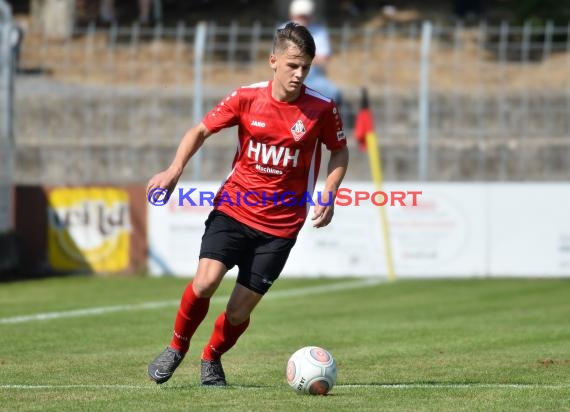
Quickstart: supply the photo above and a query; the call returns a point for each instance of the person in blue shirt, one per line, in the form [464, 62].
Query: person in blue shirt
[302, 12]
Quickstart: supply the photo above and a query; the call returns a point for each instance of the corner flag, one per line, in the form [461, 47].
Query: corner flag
[367, 141]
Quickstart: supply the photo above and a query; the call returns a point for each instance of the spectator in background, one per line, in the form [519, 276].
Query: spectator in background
[468, 9]
[302, 12]
[144, 11]
[16, 38]
[108, 12]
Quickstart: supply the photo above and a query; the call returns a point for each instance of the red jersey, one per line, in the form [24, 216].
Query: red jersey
[276, 165]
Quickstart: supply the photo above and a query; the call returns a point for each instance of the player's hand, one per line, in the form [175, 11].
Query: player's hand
[161, 186]
[323, 212]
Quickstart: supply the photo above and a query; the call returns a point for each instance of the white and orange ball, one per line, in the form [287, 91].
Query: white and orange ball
[311, 370]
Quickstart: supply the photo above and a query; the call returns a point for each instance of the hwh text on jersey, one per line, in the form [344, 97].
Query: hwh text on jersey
[274, 155]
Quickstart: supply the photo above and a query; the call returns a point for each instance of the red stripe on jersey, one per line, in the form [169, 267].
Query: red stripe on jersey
[278, 156]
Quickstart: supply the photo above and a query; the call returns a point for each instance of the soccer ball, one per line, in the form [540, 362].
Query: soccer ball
[311, 370]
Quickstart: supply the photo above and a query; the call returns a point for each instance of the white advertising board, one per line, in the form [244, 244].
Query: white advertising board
[453, 230]
[529, 229]
[175, 233]
[442, 235]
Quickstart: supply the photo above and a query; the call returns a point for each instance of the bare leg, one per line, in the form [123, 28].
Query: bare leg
[241, 304]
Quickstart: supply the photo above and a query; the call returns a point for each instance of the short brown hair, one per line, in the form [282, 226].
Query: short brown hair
[296, 34]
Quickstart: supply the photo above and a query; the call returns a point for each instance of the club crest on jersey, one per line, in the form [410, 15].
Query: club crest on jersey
[298, 130]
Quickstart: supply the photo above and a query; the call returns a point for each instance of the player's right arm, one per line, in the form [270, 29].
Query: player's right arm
[190, 143]
[225, 114]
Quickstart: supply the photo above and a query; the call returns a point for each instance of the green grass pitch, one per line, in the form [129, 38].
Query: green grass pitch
[83, 343]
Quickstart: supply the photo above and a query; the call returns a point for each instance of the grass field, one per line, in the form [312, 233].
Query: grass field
[83, 343]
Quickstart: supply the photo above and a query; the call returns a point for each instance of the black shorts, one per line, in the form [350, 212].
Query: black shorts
[259, 256]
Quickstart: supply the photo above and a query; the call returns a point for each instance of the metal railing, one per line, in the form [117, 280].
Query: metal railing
[6, 143]
[110, 105]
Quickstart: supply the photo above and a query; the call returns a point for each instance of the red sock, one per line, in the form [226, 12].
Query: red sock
[225, 336]
[191, 313]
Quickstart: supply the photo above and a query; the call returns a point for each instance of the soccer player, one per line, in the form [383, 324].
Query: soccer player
[282, 125]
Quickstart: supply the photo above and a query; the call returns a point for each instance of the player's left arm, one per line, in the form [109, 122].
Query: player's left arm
[335, 140]
[324, 209]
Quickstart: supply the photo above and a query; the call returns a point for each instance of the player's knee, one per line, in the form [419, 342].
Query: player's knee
[208, 277]
[204, 286]
[203, 291]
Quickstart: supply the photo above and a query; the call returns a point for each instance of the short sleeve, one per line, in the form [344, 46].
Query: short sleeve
[333, 134]
[225, 114]
[322, 41]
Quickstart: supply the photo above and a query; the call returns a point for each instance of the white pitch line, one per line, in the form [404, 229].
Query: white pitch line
[458, 386]
[85, 312]
[347, 386]
[75, 387]
[338, 286]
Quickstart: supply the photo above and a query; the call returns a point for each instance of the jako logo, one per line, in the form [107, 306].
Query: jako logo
[257, 123]
[273, 155]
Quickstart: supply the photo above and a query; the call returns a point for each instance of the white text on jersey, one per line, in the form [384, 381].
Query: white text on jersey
[257, 123]
[274, 155]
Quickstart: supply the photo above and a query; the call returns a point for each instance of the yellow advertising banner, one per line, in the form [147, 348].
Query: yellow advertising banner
[88, 229]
